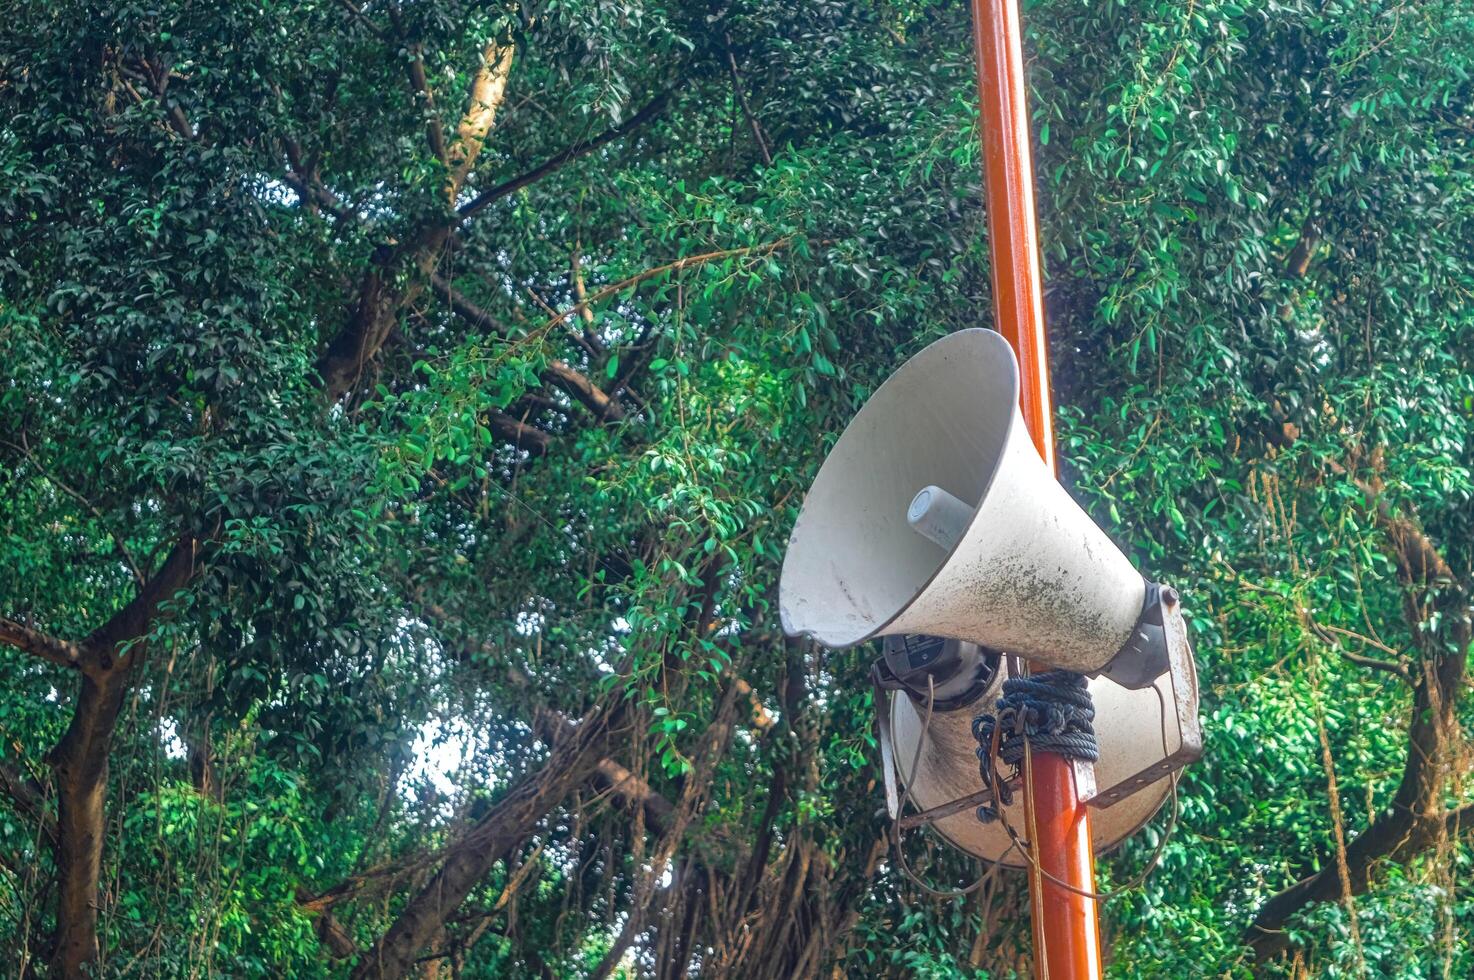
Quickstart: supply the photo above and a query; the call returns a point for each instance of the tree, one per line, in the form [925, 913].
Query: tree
[1277, 288]
[388, 381]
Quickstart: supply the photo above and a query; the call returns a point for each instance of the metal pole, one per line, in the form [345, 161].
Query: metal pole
[1066, 931]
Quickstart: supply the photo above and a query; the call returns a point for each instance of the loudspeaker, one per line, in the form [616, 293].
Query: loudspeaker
[1143, 738]
[935, 523]
[934, 514]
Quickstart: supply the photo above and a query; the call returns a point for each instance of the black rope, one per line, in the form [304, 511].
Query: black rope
[1052, 712]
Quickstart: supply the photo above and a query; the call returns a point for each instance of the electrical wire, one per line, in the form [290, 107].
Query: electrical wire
[1017, 843]
[1027, 851]
[896, 835]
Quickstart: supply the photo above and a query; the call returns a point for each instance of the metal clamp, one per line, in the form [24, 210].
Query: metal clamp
[1182, 673]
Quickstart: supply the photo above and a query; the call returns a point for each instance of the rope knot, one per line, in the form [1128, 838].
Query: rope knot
[1052, 712]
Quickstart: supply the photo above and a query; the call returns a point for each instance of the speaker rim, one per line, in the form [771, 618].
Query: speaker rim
[1011, 378]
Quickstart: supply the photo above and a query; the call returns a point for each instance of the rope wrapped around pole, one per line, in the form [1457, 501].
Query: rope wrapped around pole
[1051, 711]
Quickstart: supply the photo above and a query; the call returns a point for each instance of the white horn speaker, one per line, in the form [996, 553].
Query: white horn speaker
[1144, 736]
[935, 523]
[934, 514]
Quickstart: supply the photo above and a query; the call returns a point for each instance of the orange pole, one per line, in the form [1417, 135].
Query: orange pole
[1066, 931]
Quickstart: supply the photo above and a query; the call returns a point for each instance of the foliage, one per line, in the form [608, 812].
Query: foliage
[546, 488]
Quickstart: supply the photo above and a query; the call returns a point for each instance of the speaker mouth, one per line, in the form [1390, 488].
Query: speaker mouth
[854, 563]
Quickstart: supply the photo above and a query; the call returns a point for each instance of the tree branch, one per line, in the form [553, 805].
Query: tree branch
[23, 447]
[591, 342]
[156, 80]
[564, 157]
[577, 384]
[687, 262]
[375, 880]
[493, 838]
[330, 931]
[471, 312]
[178, 121]
[604, 407]
[757, 130]
[1419, 560]
[38, 644]
[308, 184]
[1329, 634]
[362, 18]
[713, 745]
[134, 619]
[1298, 262]
[1374, 664]
[373, 316]
[434, 129]
[1416, 818]
[1412, 824]
[554, 727]
[529, 438]
[632, 791]
[376, 310]
[1461, 820]
[488, 89]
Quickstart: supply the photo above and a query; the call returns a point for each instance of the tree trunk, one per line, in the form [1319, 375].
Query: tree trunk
[80, 767]
[1411, 826]
[492, 839]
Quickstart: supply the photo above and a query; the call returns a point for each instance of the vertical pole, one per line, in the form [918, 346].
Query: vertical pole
[1066, 931]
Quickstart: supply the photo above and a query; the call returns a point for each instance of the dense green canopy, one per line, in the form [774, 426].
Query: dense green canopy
[403, 407]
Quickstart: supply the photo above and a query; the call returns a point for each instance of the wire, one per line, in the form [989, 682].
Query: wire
[1016, 842]
[896, 835]
[1027, 850]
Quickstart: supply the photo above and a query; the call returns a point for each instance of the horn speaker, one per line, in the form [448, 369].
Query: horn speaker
[934, 514]
[935, 523]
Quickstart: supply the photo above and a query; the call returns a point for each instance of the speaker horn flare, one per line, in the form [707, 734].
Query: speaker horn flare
[934, 514]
